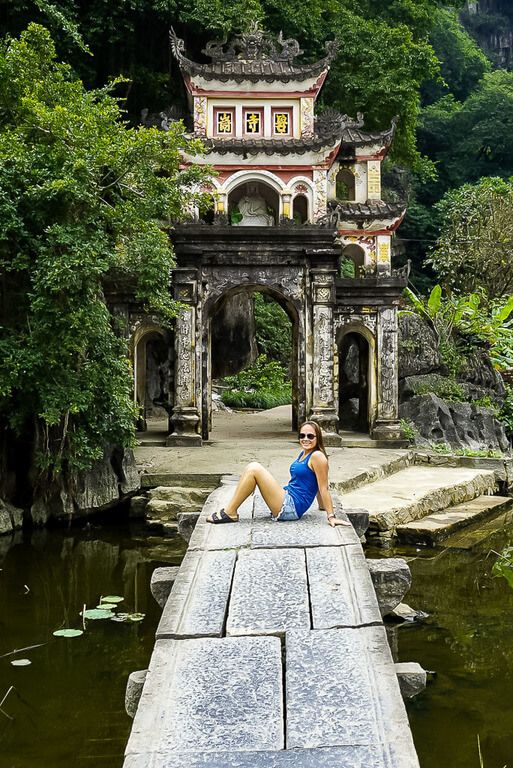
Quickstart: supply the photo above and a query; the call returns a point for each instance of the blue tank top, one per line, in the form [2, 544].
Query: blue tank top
[303, 485]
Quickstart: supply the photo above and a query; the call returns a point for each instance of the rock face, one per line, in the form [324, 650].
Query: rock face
[418, 347]
[460, 425]
[11, 518]
[233, 336]
[412, 678]
[392, 579]
[103, 486]
[481, 379]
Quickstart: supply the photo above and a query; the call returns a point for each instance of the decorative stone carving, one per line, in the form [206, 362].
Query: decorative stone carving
[321, 194]
[200, 115]
[307, 117]
[253, 209]
[388, 393]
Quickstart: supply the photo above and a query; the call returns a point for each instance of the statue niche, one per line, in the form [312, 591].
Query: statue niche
[252, 206]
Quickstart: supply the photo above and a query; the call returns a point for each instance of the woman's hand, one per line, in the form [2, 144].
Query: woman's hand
[333, 521]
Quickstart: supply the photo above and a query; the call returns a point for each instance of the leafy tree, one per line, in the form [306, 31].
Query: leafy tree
[462, 62]
[82, 200]
[474, 247]
[273, 330]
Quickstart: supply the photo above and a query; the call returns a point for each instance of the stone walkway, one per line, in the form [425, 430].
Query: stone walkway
[271, 653]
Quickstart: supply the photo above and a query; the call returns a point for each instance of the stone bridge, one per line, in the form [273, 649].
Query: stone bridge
[271, 651]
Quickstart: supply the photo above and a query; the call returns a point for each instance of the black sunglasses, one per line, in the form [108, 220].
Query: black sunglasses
[306, 436]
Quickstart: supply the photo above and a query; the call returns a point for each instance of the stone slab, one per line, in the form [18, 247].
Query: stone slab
[211, 695]
[197, 604]
[341, 589]
[231, 536]
[417, 491]
[331, 757]
[476, 535]
[269, 593]
[311, 531]
[342, 690]
[438, 526]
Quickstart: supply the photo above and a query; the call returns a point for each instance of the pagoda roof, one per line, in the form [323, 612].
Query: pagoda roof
[369, 211]
[352, 132]
[253, 55]
[268, 146]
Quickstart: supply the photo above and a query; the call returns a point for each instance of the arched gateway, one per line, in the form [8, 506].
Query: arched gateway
[278, 227]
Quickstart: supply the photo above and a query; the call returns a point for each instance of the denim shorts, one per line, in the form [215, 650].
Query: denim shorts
[288, 509]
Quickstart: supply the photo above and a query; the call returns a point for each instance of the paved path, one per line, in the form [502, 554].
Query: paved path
[263, 436]
[271, 653]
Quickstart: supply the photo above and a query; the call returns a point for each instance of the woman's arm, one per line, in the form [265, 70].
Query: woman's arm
[319, 463]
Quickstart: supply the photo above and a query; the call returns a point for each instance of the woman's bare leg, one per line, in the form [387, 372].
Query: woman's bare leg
[256, 475]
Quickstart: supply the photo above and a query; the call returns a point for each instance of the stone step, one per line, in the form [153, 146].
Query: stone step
[188, 480]
[434, 528]
[478, 533]
[372, 472]
[415, 492]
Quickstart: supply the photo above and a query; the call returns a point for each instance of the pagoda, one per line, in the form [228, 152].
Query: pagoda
[296, 214]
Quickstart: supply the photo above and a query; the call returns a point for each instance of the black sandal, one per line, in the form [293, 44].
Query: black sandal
[221, 517]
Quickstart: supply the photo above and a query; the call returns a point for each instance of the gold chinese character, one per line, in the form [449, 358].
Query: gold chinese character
[253, 122]
[224, 122]
[281, 122]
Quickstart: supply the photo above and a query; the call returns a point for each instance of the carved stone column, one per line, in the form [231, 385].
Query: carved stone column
[386, 426]
[186, 418]
[323, 299]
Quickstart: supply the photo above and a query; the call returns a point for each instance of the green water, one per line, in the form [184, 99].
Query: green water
[68, 705]
[468, 641]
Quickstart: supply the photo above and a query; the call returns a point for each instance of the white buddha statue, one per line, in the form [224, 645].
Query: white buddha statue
[253, 209]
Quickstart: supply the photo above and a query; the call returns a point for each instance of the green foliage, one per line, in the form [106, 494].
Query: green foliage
[408, 429]
[261, 385]
[503, 566]
[442, 387]
[462, 62]
[473, 453]
[273, 330]
[82, 202]
[474, 247]
[463, 321]
[506, 413]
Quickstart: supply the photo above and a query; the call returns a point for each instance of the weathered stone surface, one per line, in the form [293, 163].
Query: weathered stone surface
[190, 480]
[342, 690]
[186, 524]
[311, 531]
[438, 526]
[161, 510]
[340, 586]
[391, 577]
[138, 506]
[134, 687]
[412, 678]
[479, 372]
[11, 518]
[162, 579]
[460, 425]
[330, 757]
[404, 612]
[418, 347]
[418, 491]
[196, 606]
[359, 519]
[233, 336]
[181, 496]
[211, 695]
[232, 536]
[269, 593]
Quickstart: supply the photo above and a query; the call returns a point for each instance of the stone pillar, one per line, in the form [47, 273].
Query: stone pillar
[186, 417]
[323, 299]
[386, 426]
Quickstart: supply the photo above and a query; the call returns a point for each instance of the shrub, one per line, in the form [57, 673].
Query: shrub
[261, 385]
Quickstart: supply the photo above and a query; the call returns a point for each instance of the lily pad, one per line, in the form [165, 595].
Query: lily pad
[68, 632]
[96, 613]
[106, 607]
[20, 662]
[112, 599]
[136, 617]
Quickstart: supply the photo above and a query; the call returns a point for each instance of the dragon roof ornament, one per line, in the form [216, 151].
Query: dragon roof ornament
[253, 55]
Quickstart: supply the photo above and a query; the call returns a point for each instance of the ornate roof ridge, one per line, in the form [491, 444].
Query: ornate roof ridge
[252, 55]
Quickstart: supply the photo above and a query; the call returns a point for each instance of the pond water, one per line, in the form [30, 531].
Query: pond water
[68, 705]
[468, 642]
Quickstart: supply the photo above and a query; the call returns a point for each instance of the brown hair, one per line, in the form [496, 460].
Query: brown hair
[318, 435]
